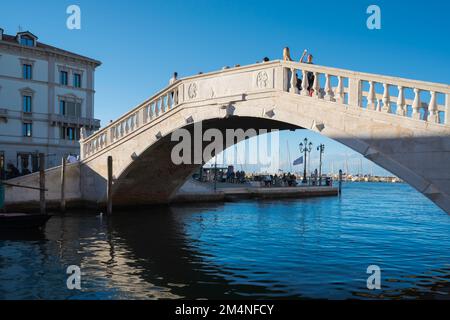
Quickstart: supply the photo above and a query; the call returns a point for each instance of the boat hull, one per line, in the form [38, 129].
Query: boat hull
[23, 221]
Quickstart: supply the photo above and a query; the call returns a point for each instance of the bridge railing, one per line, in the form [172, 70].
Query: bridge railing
[152, 108]
[407, 98]
[402, 97]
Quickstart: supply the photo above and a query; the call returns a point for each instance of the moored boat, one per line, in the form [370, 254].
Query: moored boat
[22, 220]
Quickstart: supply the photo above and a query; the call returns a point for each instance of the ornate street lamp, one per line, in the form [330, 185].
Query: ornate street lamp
[305, 148]
[321, 149]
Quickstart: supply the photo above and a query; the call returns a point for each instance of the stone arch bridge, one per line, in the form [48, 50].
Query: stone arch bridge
[401, 125]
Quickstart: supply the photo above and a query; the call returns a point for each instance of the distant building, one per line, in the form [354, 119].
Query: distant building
[46, 97]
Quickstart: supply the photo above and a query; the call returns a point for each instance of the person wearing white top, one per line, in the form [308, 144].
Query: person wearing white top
[174, 78]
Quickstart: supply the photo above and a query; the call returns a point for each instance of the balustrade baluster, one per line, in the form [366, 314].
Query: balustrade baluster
[340, 90]
[145, 114]
[175, 98]
[127, 127]
[169, 100]
[416, 104]
[316, 85]
[386, 99]
[121, 129]
[150, 112]
[371, 98]
[111, 134]
[293, 88]
[305, 83]
[136, 118]
[433, 108]
[328, 89]
[157, 108]
[169, 103]
[401, 105]
[132, 121]
[161, 105]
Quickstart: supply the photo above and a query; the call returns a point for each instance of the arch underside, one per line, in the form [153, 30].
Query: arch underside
[153, 178]
[403, 146]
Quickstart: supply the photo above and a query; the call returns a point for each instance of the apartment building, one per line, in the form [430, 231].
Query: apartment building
[46, 99]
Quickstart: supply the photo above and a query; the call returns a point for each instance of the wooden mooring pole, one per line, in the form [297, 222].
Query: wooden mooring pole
[42, 183]
[109, 187]
[63, 182]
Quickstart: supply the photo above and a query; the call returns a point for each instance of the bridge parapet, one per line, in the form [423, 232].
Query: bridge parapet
[419, 100]
[144, 113]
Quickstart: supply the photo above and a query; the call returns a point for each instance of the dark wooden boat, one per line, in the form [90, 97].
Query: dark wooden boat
[10, 221]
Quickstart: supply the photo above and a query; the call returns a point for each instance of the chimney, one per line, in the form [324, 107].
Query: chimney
[1, 34]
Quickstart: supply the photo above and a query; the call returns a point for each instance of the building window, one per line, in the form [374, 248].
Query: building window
[26, 103]
[70, 133]
[27, 129]
[27, 71]
[62, 107]
[70, 109]
[27, 41]
[63, 75]
[77, 80]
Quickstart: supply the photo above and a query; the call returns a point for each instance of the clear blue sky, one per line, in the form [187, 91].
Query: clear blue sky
[142, 42]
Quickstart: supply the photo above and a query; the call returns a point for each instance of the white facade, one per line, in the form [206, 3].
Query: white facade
[46, 97]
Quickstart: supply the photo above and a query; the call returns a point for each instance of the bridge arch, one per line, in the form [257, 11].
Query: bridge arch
[263, 96]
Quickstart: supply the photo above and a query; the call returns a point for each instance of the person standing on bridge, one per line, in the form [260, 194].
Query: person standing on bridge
[174, 78]
[309, 74]
[286, 54]
[287, 57]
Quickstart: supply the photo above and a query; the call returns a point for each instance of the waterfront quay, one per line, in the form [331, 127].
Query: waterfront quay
[194, 191]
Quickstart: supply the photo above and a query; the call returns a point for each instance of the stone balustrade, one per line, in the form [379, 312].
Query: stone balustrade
[353, 94]
[131, 121]
[400, 97]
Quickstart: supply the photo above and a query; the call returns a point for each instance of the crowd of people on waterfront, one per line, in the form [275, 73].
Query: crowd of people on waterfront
[275, 180]
[236, 177]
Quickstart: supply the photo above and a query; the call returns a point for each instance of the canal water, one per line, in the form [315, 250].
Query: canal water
[310, 248]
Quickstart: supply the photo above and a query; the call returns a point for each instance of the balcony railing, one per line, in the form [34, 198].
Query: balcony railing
[62, 120]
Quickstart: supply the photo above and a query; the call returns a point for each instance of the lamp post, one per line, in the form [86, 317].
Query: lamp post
[305, 148]
[321, 149]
